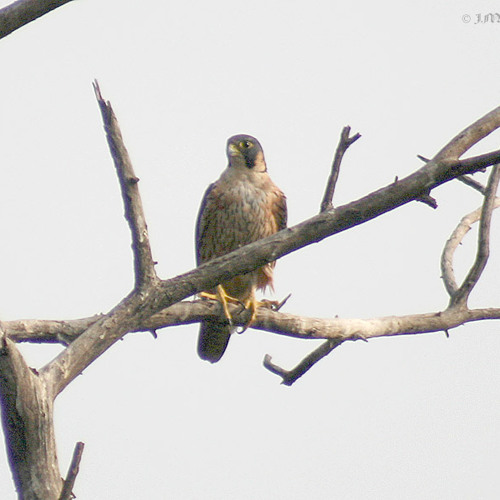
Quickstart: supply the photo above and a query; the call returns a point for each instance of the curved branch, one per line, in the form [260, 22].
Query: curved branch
[456, 238]
[22, 12]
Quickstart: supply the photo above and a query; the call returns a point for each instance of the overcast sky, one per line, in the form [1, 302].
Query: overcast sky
[410, 417]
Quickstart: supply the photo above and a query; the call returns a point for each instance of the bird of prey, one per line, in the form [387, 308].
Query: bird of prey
[242, 206]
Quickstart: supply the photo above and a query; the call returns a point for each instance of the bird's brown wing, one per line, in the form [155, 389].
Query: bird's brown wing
[202, 224]
[214, 335]
[280, 210]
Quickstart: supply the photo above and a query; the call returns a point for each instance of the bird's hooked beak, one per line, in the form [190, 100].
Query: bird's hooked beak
[232, 150]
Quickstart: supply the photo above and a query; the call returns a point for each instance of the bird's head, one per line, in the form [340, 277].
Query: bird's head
[245, 151]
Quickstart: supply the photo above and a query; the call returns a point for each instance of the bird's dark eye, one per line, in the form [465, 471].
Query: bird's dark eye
[246, 144]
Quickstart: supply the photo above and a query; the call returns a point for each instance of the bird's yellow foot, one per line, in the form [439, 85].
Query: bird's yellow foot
[252, 305]
[224, 299]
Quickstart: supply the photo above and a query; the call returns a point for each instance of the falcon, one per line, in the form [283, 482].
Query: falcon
[242, 206]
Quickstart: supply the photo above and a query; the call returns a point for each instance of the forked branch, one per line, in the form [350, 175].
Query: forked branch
[345, 141]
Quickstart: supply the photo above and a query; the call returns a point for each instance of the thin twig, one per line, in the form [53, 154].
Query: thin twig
[282, 302]
[22, 12]
[479, 162]
[460, 297]
[467, 179]
[291, 376]
[344, 143]
[134, 213]
[67, 491]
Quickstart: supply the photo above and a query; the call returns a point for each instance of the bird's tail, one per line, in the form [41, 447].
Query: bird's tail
[213, 340]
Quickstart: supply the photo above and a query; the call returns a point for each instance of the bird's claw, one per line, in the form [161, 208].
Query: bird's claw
[224, 299]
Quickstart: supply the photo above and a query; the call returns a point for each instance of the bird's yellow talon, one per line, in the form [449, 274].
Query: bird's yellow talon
[206, 295]
[252, 304]
[224, 299]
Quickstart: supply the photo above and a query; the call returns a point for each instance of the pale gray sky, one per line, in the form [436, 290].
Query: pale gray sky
[411, 418]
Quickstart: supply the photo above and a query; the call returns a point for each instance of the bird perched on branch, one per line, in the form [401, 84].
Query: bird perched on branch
[243, 206]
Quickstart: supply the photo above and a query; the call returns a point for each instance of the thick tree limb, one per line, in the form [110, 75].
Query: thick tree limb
[291, 325]
[22, 12]
[27, 417]
[40, 331]
[344, 143]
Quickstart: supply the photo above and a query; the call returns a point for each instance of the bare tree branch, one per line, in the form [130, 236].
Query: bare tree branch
[67, 491]
[42, 331]
[467, 179]
[469, 136]
[291, 376]
[480, 162]
[291, 325]
[344, 143]
[363, 329]
[483, 246]
[447, 272]
[22, 12]
[134, 213]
